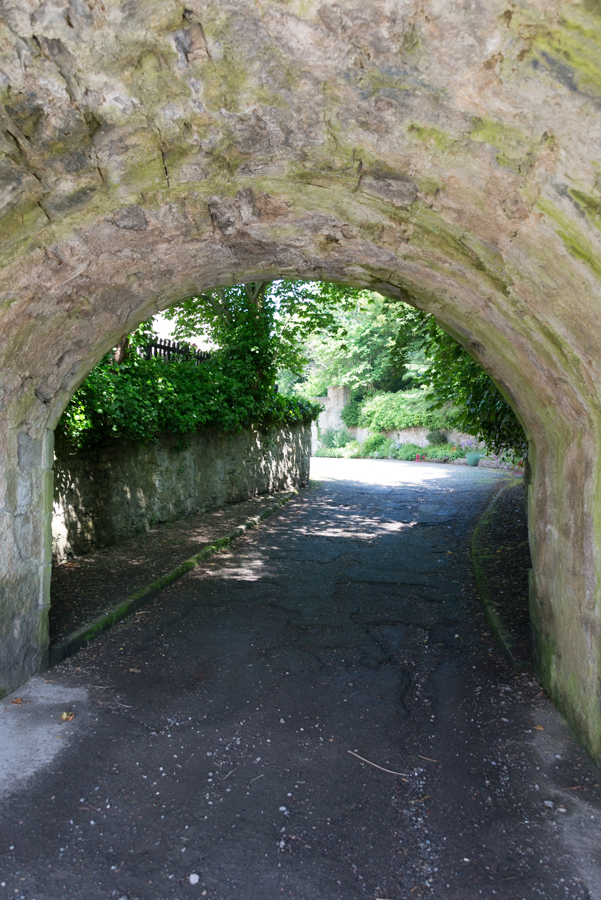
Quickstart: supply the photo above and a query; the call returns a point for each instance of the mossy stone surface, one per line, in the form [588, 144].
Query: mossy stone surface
[439, 156]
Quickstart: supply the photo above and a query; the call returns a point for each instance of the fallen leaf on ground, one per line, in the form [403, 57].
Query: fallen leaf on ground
[135, 671]
[17, 701]
[538, 728]
[67, 716]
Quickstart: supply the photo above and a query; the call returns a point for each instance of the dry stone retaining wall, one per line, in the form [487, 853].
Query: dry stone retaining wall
[119, 489]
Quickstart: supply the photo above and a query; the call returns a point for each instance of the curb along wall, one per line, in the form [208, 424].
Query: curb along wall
[115, 490]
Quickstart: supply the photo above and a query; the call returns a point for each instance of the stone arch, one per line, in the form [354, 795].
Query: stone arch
[438, 152]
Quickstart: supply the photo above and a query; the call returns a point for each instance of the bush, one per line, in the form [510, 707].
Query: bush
[407, 451]
[436, 437]
[444, 452]
[406, 409]
[373, 443]
[335, 438]
[141, 398]
[327, 438]
[473, 457]
[350, 413]
[353, 450]
[329, 452]
[344, 437]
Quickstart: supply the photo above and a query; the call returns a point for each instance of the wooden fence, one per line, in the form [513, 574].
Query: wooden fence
[165, 349]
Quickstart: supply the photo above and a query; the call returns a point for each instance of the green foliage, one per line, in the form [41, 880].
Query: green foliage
[385, 347]
[327, 438]
[408, 452]
[332, 437]
[391, 449]
[141, 398]
[473, 457]
[350, 413]
[279, 314]
[436, 437]
[406, 409]
[357, 351]
[479, 407]
[374, 442]
[378, 446]
[330, 452]
[257, 328]
[444, 452]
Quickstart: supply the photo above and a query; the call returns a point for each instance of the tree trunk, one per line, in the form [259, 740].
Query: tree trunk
[120, 353]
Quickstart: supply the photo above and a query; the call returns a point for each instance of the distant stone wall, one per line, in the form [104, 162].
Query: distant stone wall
[116, 489]
[412, 435]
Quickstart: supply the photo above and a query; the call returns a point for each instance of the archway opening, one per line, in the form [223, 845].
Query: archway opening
[459, 283]
[92, 520]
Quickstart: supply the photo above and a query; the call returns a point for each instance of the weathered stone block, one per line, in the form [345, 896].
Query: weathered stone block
[29, 451]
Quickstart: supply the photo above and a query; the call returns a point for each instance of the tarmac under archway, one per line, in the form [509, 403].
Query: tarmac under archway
[215, 737]
[440, 152]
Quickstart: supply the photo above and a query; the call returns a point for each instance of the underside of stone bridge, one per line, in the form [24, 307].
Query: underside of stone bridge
[445, 152]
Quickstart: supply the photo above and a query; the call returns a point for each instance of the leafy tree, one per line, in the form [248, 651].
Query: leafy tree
[358, 351]
[272, 319]
[383, 346]
[257, 328]
[479, 407]
[404, 409]
[137, 399]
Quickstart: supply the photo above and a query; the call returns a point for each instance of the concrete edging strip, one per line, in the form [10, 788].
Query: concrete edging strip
[83, 635]
[479, 556]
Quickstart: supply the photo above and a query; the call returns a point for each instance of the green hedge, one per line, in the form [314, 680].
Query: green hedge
[141, 398]
[405, 409]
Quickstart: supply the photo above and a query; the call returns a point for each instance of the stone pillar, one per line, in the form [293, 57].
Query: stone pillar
[564, 505]
[25, 556]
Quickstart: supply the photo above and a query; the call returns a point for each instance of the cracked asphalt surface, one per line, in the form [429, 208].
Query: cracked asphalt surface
[219, 736]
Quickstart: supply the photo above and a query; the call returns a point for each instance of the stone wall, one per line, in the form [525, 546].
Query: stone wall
[412, 435]
[433, 151]
[119, 489]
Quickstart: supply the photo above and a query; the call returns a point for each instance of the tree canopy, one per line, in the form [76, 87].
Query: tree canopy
[129, 397]
[309, 336]
[358, 351]
[452, 374]
[273, 318]
[378, 346]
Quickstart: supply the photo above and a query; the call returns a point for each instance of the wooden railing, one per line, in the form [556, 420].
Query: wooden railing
[165, 349]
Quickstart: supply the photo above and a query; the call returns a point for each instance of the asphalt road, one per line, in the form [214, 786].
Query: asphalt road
[217, 741]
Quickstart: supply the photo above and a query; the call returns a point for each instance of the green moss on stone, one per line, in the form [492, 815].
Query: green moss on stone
[373, 81]
[224, 82]
[590, 206]
[571, 51]
[515, 150]
[433, 137]
[429, 186]
[24, 220]
[576, 243]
